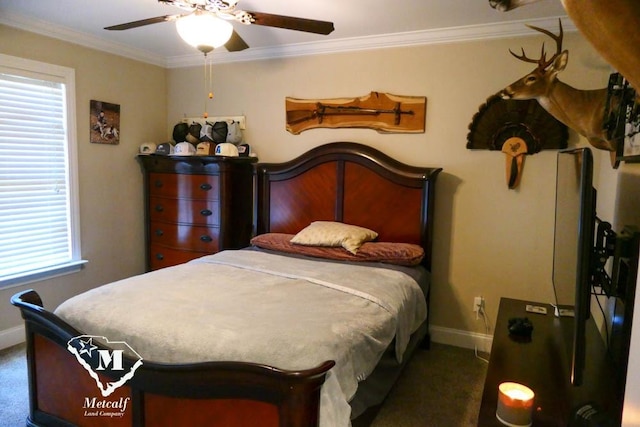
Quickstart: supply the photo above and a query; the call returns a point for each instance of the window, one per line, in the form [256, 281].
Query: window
[39, 227]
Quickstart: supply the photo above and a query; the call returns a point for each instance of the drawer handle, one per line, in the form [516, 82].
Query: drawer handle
[159, 233]
[159, 257]
[158, 183]
[206, 212]
[206, 186]
[206, 238]
[159, 208]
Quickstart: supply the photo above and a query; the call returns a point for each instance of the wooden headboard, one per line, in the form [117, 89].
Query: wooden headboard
[350, 183]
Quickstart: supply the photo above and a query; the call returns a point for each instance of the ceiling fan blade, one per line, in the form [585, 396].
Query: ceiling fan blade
[292, 23]
[236, 43]
[143, 22]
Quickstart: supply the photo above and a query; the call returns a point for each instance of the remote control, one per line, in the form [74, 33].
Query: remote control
[536, 309]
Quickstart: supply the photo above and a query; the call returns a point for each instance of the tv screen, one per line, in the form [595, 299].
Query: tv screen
[575, 220]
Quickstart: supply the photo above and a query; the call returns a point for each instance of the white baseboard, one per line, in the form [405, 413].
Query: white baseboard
[463, 339]
[12, 336]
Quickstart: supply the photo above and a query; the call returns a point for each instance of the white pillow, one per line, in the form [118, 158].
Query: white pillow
[331, 233]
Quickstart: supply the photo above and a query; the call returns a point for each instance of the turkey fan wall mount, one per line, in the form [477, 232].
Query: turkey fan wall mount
[226, 11]
[517, 128]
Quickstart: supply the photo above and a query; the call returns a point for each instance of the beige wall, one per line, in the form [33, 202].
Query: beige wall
[489, 240]
[110, 180]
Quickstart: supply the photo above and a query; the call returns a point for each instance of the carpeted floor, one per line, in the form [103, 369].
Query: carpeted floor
[14, 394]
[441, 387]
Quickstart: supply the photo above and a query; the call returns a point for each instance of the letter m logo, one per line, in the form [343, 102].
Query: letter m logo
[106, 357]
[110, 362]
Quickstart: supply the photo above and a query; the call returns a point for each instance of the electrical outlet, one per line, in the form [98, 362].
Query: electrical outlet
[478, 306]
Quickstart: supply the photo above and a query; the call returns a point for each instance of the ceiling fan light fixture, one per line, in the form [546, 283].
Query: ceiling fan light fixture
[204, 31]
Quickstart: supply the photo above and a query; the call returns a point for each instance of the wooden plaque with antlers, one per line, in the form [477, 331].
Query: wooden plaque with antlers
[386, 113]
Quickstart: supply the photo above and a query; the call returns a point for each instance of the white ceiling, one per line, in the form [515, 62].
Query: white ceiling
[359, 24]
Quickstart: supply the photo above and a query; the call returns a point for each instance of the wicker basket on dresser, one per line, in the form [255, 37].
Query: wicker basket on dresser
[196, 205]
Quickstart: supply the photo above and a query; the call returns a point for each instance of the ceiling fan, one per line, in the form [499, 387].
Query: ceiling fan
[226, 10]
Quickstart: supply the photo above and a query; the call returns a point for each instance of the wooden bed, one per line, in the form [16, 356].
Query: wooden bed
[342, 181]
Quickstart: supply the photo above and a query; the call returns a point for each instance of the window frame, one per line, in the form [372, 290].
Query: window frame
[50, 72]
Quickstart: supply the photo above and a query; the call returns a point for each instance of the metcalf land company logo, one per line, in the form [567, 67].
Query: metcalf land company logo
[96, 360]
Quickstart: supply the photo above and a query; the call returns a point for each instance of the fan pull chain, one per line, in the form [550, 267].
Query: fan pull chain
[208, 82]
[205, 115]
[211, 78]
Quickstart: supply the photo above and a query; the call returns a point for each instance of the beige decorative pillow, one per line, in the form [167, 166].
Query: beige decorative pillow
[331, 233]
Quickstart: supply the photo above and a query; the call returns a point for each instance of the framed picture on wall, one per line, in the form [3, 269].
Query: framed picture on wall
[104, 122]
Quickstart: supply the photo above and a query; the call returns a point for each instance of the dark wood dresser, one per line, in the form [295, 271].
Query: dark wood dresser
[542, 363]
[196, 205]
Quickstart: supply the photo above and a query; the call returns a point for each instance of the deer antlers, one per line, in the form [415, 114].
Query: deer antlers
[542, 62]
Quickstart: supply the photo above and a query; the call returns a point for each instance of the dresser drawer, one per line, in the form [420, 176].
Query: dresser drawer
[161, 256]
[185, 211]
[191, 186]
[189, 237]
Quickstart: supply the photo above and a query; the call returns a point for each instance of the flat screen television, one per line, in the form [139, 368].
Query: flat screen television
[575, 221]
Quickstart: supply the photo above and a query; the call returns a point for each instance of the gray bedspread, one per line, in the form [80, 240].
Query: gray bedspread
[264, 308]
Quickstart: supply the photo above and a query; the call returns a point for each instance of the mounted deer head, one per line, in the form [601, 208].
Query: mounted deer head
[581, 110]
[612, 27]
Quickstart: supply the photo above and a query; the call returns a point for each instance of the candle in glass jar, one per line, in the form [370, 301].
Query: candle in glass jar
[515, 404]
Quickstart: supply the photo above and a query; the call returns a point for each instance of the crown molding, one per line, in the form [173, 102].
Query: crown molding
[413, 38]
[66, 34]
[405, 39]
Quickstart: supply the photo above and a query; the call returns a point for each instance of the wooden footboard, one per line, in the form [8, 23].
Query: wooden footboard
[229, 394]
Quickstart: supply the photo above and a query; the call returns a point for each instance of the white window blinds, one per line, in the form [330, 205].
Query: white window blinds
[37, 223]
